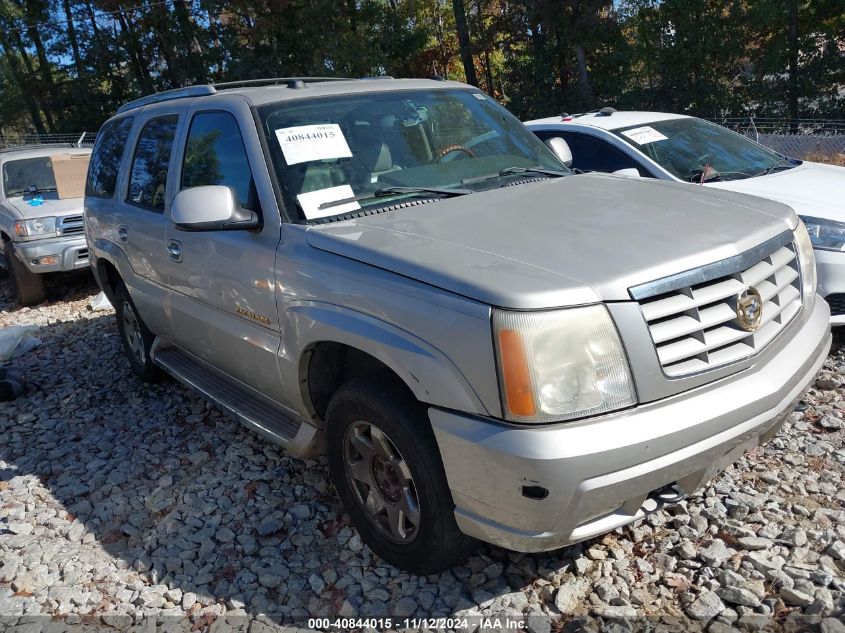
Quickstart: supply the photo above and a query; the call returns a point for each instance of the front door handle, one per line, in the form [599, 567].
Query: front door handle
[174, 250]
[123, 234]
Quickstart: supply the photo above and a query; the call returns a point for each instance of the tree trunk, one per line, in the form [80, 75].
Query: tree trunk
[193, 49]
[134, 53]
[793, 63]
[44, 65]
[74, 43]
[488, 73]
[464, 41]
[585, 93]
[23, 85]
[31, 81]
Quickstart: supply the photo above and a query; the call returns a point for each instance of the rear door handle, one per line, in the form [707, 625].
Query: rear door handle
[174, 250]
[123, 234]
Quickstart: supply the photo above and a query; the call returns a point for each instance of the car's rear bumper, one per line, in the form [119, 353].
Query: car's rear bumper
[830, 267]
[71, 253]
[597, 474]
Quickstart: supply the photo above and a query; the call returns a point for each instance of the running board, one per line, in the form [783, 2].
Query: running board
[255, 411]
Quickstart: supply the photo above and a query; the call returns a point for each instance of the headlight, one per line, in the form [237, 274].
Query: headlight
[560, 364]
[826, 235]
[807, 260]
[38, 226]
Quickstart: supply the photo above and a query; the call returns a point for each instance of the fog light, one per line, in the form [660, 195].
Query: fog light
[47, 260]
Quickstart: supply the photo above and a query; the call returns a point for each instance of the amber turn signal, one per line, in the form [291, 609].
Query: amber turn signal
[519, 396]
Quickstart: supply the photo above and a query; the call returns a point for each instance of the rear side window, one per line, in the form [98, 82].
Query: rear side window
[215, 155]
[106, 158]
[151, 162]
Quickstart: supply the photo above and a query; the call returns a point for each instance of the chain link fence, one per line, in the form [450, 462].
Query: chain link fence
[77, 139]
[811, 139]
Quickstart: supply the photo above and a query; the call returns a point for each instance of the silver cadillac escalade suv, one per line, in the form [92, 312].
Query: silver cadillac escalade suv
[42, 233]
[396, 273]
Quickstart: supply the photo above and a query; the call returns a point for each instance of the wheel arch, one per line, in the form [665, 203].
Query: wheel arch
[343, 344]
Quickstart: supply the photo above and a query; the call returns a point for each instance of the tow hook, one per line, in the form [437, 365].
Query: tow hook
[669, 494]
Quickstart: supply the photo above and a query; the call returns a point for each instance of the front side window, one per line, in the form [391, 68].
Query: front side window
[28, 176]
[106, 158]
[365, 146]
[594, 154]
[695, 150]
[215, 155]
[151, 162]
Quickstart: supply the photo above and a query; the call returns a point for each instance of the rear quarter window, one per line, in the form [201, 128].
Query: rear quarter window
[106, 158]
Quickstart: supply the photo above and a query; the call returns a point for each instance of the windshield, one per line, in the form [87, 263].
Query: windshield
[28, 175]
[695, 150]
[385, 147]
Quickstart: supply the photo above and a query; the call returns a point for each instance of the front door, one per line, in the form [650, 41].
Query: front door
[222, 282]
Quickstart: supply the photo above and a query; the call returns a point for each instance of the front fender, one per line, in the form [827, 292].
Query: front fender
[429, 373]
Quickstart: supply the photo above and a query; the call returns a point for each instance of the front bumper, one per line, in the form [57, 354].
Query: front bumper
[603, 472]
[830, 267]
[72, 254]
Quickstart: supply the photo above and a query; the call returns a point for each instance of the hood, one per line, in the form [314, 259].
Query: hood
[52, 205]
[561, 242]
[811, 189]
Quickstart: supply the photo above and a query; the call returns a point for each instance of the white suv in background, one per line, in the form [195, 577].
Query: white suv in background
[687, 149]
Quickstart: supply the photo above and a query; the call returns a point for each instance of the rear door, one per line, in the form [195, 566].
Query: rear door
[223, 282]
[140, 215]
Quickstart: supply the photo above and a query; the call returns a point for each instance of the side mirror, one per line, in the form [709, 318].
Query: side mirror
[631, 172]
[560, 148]
[210, 208]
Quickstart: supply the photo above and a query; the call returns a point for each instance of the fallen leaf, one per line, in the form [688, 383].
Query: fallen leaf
[679, 583]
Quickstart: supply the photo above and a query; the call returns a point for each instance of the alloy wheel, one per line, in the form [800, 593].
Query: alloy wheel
[382, 482]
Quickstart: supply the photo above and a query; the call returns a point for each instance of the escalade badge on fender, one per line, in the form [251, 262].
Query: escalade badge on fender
[749, 309]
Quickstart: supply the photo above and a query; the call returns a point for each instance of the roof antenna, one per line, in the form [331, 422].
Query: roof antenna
[296, 84]
[606, 111]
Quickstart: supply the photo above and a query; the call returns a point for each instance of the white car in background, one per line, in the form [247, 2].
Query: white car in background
[687, 149]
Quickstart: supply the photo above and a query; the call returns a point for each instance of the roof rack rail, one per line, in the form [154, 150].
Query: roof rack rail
[167, 95]
[210, 89]
[274, 81]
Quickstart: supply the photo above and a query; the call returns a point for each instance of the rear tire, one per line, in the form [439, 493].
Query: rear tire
[386, 467]
[29, 286]
[136, 338]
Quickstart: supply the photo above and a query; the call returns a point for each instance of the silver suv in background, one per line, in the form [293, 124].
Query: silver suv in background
[41, 232]
[398, 274]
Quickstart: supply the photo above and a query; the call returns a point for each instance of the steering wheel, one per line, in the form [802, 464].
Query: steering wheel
[448, 149]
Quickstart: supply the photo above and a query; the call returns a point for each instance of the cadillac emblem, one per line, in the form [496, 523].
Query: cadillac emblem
[749, 309]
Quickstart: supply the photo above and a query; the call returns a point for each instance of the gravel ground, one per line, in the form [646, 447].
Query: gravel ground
[122, 498]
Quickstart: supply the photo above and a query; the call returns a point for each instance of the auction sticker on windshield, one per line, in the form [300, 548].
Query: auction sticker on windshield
[310, 202]
[644, 135]
[305, 143]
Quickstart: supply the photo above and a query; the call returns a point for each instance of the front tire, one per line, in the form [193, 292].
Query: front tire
[386, 467]
[137, 340]
[29, 286]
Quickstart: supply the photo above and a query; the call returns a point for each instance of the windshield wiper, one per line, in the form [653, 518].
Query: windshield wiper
[396, 191]
[510, 171]
[783, 163]
[35, 189]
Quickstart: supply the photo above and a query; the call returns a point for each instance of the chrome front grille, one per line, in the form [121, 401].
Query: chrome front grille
[695, 327]
[70, 225]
